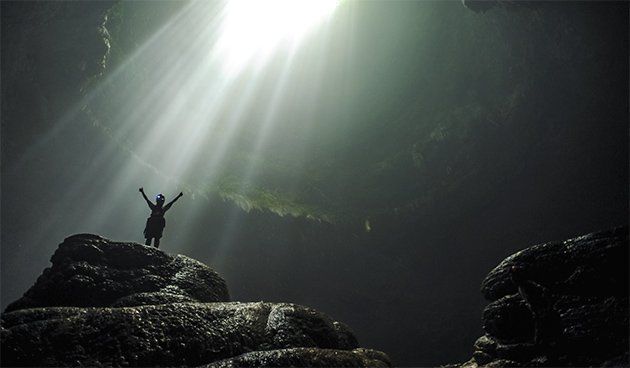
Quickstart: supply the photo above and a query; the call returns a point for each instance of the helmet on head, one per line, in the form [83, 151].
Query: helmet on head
[159, 198]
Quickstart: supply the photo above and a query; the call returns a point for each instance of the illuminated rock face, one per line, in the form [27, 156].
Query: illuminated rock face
[568, 306]
[106, 303]
[91, 271]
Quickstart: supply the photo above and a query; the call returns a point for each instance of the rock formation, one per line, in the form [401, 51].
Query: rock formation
[89, 271]
[558, 304]
[106, 303]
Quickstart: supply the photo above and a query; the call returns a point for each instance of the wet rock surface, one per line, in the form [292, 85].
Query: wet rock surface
[595, 264]
[89, 271]
[300, 357]
[558, 304]
[106, 303]
[173, 334]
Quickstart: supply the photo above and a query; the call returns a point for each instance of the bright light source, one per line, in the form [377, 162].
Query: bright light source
[255, 27]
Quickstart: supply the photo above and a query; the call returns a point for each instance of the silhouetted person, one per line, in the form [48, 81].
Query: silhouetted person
[156, 222]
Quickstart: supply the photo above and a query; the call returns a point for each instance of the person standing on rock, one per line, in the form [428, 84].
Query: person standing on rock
[156, 222]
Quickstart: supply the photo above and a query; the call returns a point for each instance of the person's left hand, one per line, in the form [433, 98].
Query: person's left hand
[181, 194]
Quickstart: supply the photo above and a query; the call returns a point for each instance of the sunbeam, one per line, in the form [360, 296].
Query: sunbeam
[200, 100]
[255, 28]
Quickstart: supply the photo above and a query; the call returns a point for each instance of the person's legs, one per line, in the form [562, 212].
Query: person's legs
[148, 241]
[156, 242]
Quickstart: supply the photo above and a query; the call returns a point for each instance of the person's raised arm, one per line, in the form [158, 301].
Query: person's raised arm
[169, 204]
[151, 205]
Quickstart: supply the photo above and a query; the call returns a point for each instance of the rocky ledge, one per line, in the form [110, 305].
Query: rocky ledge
[106, 303]
[558, 304]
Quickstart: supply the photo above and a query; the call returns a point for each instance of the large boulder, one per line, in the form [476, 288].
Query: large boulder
[107, 303]
[90, 271]
[595, 264]
[188, 334]
[558, 304]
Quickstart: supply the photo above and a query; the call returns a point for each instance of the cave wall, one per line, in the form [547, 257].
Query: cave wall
[519, 135]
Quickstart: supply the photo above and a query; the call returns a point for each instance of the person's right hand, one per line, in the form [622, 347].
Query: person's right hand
[141, 190]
